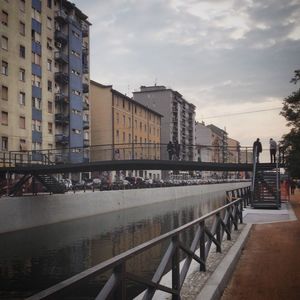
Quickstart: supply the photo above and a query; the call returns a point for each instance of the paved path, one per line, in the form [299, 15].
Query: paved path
[269, 268]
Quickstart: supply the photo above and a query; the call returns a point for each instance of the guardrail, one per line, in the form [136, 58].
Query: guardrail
[222, 220]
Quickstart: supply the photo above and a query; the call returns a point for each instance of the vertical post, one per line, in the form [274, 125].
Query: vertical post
[218, 232]
[241, 211]
[202, 246]
[120, 292]
[246, 155]
[175, 269]
[236, 216]
[9, 158]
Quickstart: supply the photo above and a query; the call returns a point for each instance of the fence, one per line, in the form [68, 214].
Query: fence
[222, 220]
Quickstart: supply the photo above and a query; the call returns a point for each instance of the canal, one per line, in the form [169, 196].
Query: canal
[34, 259]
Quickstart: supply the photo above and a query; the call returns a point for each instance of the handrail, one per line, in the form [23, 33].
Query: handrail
[225, 218]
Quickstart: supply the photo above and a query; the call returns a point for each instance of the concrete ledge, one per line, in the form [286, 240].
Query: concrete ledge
[218, 281]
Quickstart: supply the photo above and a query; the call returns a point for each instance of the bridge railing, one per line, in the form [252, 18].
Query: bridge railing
[208, 229]
[130, 151]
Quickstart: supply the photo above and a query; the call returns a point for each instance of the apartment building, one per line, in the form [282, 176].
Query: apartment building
[44, 77]
[178, 122]
[234, 151]
[122, 128]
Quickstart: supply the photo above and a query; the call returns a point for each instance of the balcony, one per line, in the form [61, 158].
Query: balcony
[61, 77]
[60, 37]
[86, 105]
[61, 17]
[85, 69]
[85, 88]
[85, 124]
[61, 98]
[61, 139]
[61, 57]
[61, 118]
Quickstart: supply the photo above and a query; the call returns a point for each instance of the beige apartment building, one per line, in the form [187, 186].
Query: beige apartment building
[122, 128]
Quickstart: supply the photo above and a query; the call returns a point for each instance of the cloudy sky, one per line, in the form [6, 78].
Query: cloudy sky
[224, 56]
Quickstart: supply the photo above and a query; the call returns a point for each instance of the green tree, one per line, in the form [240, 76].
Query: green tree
[291, 141]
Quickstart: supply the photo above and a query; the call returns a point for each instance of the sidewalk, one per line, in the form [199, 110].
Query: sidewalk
[269, 267]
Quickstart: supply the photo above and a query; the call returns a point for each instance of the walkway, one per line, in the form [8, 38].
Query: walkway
[269, 267]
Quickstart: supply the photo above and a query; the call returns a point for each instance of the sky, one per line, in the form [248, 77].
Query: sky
[225, 56]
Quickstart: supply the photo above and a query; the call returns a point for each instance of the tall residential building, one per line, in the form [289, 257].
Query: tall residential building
[123, 128]
[219, 144]
[178, 122]
[44, 76]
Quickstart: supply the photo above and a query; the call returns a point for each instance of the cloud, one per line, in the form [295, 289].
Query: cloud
[220, 53]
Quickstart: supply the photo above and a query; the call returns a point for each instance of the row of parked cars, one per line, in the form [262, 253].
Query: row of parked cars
[135, 183]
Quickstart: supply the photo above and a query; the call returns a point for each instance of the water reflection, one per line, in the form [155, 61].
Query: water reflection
[32, 260]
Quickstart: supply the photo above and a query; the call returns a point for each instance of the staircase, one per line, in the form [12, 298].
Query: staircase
[51, 184]
[266, 193]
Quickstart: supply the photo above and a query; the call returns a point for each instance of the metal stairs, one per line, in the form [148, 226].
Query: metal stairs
[50, 183]
[266, 187]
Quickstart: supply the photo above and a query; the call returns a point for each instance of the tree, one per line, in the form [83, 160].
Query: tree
[291, 141]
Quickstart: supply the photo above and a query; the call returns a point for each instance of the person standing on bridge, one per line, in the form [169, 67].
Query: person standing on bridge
[273, 149]
[257, 149]
[170, 150]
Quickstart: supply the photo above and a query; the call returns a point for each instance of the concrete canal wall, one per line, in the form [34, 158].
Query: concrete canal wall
[30, 211]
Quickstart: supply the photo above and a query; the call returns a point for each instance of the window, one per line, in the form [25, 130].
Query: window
[36, 103]
[75, 72]
[36, 59]
[4, 92]
[4, 143]
[22, 98]
[4, 68]
[117, 117]
[4, 118]
[4, 17]
[50, 107]
[23, 146]
[22, 5]
[75, 53]
[22, 51]
[36, 125]
[76, 112]
[35, 36]
[124, 138]
[50, 128]
[49, 44]
[36, 146]
[77, 93]
[49, 86]
[49, 22]
[49, 3]
[129, 138]
[22, 74]
[117, 136]
[49, 65]
[76, 34]
[22, 28]
[22, 122]
[129, 122]
[4, 42]
[36, 15]
[36, 80]
[135, 124]
[76, 131]
[123, 103]
[124, 120]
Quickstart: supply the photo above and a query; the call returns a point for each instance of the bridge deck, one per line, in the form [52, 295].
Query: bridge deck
[132, 165]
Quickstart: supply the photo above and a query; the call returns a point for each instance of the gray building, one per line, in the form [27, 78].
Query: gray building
[178, 122]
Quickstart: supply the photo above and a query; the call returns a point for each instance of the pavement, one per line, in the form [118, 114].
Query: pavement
[264, 262]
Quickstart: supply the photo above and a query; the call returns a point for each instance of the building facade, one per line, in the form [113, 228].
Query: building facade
[219, 144]
[203, 142]
[122, 128]
[44, 77]
[234, 151]
[178, 122]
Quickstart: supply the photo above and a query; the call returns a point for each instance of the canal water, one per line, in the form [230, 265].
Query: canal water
[35, 259]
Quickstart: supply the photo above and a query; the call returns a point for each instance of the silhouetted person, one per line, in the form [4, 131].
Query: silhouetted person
[273, 149]
[177, 149]
[257, 149]
[170, 150]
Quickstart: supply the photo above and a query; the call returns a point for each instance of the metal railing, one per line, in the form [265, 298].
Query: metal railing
[128, 151]
[222, 219]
